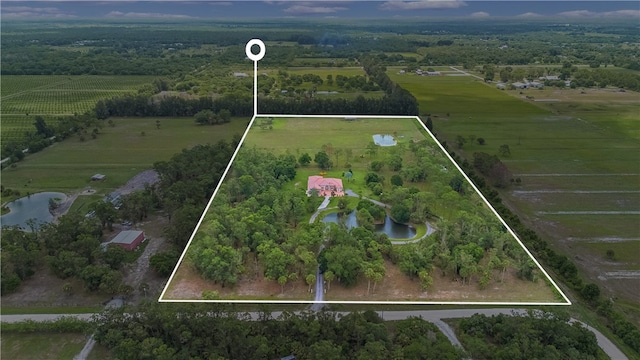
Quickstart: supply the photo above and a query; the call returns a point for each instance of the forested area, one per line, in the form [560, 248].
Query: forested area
[156, 50]
[176, 331]
[257, 226]
[534, 336]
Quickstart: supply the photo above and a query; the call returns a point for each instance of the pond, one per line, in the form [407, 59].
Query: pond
[384, 140]
[35, 206]
[393, 229]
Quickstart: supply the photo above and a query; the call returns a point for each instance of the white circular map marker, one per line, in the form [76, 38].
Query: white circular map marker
[250, 54]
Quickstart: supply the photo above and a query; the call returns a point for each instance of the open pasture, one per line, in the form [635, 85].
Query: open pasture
[119, 152]
[308, 135]
[577, 158]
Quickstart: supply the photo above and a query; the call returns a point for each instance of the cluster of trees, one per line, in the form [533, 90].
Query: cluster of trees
[354, 253]
[71, 249]
[152, 331]
[208, 117]
[493, 168]
[254, 218]
[356, 82]
[537, 335]
[20, 255]
[603, 78]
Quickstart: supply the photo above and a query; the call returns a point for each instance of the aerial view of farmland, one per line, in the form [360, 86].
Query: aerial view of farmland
[386, 180]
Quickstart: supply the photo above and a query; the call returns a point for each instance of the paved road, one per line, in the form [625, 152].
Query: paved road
[433, 316]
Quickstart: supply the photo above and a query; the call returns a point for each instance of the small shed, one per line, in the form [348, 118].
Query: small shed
[98, 177]
[129, 239]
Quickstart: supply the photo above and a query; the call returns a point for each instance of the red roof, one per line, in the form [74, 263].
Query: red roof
[325, 186]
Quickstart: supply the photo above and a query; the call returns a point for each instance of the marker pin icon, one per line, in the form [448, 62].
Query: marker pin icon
[250, 54]
[255, 57]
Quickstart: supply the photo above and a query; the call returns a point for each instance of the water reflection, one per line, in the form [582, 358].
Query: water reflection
[390, 227]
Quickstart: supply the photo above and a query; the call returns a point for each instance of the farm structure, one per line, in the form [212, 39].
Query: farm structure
[325, 186]
[98, 177]
[128, 239]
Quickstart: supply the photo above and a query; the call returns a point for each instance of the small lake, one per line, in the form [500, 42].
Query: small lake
[390, 227]
[35, 206]
[384, 140]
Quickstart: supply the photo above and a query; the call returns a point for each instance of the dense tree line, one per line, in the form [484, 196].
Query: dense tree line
[538, 335]
[155, 331]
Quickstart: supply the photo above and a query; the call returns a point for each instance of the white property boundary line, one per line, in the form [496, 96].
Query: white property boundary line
[416, 118]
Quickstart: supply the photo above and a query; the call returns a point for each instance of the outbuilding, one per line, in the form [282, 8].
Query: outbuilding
[98, 177]
[129, 239]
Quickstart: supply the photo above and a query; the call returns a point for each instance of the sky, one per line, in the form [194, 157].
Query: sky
[317, 9]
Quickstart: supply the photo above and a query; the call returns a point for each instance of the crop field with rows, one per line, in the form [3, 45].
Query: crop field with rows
[24, 96]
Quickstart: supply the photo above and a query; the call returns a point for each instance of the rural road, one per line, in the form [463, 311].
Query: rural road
[433, 316]
[466, 73]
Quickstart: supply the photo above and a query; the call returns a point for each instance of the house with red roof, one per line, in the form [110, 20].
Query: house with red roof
[325, 186]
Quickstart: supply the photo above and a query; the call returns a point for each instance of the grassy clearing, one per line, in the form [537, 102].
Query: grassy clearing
[624, 251]
[119, 152]
[41, 346]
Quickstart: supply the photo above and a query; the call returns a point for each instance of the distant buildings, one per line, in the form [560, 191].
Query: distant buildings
[520, 85]
[240, 74]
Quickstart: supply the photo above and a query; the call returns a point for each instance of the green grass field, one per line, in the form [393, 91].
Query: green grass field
[41, 346]
[119, 152]
[585, 145]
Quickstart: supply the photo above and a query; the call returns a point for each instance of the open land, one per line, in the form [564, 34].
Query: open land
[119, 152]
[577, 159]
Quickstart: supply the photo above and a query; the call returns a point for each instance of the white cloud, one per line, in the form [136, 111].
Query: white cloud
[480, 14]
[119, 14]
[305, 9]
[622, 13]
[529, 15]
[591, 14]
[577, 13]
[422, 4]
[33, 12]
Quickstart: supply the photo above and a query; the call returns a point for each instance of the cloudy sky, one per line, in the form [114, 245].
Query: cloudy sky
[336, 8]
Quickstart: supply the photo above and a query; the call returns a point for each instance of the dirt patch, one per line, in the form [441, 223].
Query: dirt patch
[188, 284]
[398, 287]
[139, 181]
[44, 289]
